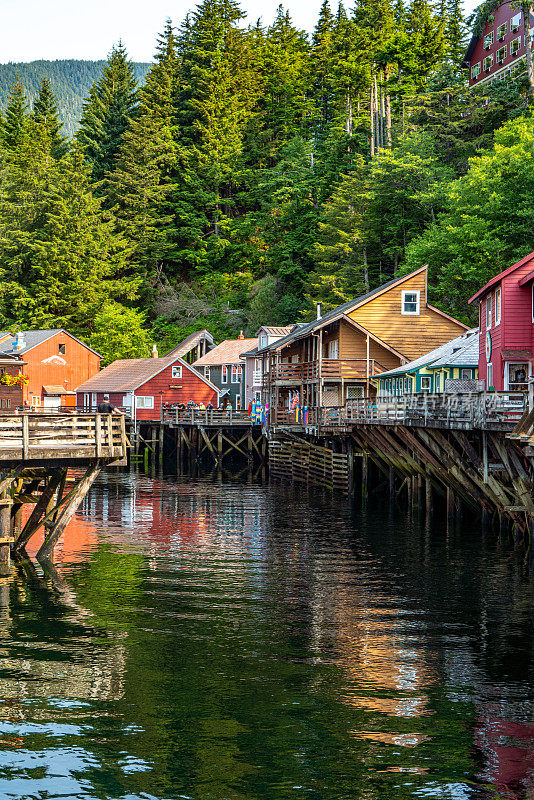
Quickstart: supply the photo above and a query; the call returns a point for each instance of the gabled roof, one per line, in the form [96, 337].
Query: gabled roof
[190, 342]
[227, 352]
[272, 330]
[350, 305]
[128, 374]
[461, 351]
[34, 338]
[500, 276]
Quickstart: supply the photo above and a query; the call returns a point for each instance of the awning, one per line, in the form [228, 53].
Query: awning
[223, 392]
[516, 355]
[56, 390]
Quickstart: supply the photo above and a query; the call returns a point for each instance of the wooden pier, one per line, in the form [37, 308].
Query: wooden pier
[38, 453]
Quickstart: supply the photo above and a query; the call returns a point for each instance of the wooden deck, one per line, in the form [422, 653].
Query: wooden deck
[73, 438]
[207, 419]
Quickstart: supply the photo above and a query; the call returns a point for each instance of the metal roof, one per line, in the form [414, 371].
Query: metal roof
[189, 342]
[459, 352]
[33, 338]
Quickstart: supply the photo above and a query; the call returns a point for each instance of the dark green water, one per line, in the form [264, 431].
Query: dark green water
[238, 642]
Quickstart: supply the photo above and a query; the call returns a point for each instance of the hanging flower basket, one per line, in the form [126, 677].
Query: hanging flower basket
[13, 380]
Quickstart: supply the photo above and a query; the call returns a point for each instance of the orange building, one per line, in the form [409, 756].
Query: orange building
[55, 362]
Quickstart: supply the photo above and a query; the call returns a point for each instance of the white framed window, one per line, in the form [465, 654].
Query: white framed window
[501, 54]
[475, 70]
[426, 383]
[333, 349]
[177, 371]
[489, 377]
[515, 22]
[263, 340]
[501, 31]
[466, 374]
[515, 46]
[236, 373]
[410, 302]
[488, 63]
[238, 402]
[437, 381]
[224, 373]
[207, 373]
[498, 306]
[144, 402]
[488, 312]
[488, 40]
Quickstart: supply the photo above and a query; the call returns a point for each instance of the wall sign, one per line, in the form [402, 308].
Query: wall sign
[488, 345]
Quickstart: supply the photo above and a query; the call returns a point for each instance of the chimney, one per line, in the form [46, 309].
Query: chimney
[154, 351]
[319, 311]
[241, 336]
[18, 342]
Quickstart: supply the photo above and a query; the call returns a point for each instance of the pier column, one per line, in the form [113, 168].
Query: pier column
[365, 477]
[5, 536]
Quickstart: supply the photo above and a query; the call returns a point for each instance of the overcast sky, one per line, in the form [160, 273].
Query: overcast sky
[35, 29]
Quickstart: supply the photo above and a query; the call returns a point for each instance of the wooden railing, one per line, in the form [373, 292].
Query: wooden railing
[196, 417]
[40, 436]
[331, 369]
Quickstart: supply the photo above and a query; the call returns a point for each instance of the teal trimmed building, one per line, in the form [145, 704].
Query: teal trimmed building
[456, 360]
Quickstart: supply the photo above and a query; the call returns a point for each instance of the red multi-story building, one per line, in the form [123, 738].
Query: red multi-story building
[499, 51]
[506, 310]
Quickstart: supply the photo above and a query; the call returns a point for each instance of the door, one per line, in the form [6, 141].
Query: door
[51, 401]
[333, 349]
[331, 396]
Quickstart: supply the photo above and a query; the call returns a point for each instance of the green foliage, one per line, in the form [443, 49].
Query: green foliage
[45, 112]
[489, 222]
[119, 332]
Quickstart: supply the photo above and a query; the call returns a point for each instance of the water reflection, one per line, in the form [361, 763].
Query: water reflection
[215, 640]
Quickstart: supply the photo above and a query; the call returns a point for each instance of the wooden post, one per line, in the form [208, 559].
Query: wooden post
[43, 507]
[391, 485]
[25, 436]
[450, 504]
[365, 477]
[428, 497]
[69, 509]
[5, 536]
[161, 442]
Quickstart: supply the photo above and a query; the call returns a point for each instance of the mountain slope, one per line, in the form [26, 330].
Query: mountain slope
[70, 80]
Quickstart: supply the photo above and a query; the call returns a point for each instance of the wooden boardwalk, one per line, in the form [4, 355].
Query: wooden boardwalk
[37, 450]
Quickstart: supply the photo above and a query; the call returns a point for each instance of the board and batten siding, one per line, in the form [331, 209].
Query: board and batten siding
[353, 345]
[192, 387]
[81, 363]
[412, 335]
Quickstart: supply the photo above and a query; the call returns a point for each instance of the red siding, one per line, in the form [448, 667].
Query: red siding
[503, 14]
[190, 387]
[516, 330]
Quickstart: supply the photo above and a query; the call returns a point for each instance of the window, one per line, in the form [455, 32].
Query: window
[408, 385]
[514, 46]
[466, 374]
[501, 55]
[263, 340]
[354, 392]
[498, 306]
[475, 70]
[224, 373]
[236, 373]
[207, 372]
[489, 377]
[238, 403]
[177, 372]
[426, 383]
[488, 312]
[144, 402]
[410, 302]
[437, 381]
[515, 22]
[62, 349]
[333, 349]
[488, 63]
[488, 40]
[501, 31]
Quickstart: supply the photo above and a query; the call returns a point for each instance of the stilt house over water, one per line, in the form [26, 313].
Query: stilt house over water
[339, 355]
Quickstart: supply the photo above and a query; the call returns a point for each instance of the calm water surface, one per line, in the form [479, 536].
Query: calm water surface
[227, 641]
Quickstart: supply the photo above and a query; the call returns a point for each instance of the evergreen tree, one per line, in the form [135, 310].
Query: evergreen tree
[110, 106]
[16, 118]
[45, 113]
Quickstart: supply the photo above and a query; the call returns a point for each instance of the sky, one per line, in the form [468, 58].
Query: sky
[35, 29]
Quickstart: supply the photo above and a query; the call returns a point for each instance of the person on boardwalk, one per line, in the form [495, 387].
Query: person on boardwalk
[105, 407]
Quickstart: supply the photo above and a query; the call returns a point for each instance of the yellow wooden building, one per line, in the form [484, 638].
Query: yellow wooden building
[339, 355]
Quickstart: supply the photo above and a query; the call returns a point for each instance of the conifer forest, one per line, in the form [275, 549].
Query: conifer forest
[258, 169]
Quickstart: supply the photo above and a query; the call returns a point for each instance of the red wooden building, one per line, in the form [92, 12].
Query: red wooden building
[506, 309]
[55, 363]
[139, 386]
[499, 51]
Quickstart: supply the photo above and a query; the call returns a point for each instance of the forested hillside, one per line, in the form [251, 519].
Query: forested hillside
[70, 80]
[259, 169]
